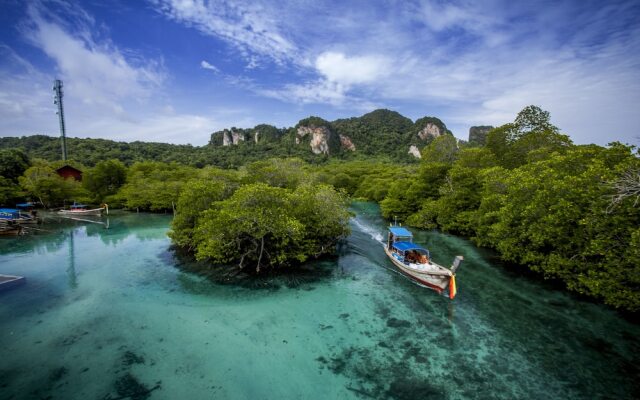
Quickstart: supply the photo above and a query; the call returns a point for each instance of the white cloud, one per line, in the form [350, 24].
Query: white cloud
[443, 16]
[96, 72]
[245, 25]
[206, 65]
[167, 128]
[466, 62]
[343, 70]
[109, 93]
[481, 63]
[323, 91]
[338, 74]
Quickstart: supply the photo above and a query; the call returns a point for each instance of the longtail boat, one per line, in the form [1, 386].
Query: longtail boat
[81, 209]
[415, 262]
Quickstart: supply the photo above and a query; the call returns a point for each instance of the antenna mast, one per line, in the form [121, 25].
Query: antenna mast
[57, 99]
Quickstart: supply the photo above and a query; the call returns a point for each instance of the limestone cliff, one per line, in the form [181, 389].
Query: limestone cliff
[237, 136]
[379, 132]
[232, 136]
[346, 143]
[320, 136]
[414, 151]
[226, 138]
[429, 130]
[426, 129]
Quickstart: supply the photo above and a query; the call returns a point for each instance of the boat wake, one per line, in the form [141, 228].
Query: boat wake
[371, 231]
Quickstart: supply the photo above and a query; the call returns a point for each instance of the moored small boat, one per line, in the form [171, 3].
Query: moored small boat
[28, 214]
[415, 262]
[82, 209]
[16, 216]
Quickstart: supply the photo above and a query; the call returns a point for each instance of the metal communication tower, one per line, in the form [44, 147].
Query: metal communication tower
[57, 99]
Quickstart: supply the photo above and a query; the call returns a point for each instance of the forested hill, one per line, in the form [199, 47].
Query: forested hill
[380, 134]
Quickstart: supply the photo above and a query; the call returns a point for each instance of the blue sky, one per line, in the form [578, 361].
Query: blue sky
[177, 70]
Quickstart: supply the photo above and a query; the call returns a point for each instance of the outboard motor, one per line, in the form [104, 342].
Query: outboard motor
[456, 263]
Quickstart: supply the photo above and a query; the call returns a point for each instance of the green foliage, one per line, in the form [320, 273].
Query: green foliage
[442, 149]
[13, 163]
[313, 121]
[10, 192]
[554, 218]
[261, 226]
[268, 215]
[533, 119]
[380, 132]
[421, 123]
[408, 196]
[104, 179]
[460, 194]
[367, 180]
[264, 133]
[41, 182]
[568, 212]
[531, 137]
[154, 186]
[285, 173]
[197, 196]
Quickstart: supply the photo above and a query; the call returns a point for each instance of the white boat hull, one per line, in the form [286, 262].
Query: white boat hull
[433, 276]
[95, 211]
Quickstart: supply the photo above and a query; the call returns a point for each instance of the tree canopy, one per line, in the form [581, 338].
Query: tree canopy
[277, 217]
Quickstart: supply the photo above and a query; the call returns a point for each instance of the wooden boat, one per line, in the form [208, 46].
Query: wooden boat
[415, 262]
[81, 209]
[9, 228]
[14, 216]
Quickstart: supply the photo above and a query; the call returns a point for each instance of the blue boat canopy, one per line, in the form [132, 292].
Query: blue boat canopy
[400, 231]
[407, 246]
[9, 213]
[24, 205]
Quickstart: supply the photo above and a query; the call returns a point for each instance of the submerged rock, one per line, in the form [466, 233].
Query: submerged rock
[129, 387]
[130, 358]
[398, 323]
[410, 389]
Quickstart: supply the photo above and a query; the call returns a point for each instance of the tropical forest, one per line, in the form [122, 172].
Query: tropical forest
[566, 212]
[243, 200]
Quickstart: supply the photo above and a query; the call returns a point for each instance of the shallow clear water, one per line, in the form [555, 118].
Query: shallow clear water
[106, 314]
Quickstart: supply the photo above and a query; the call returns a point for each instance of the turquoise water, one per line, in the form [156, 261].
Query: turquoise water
[106, 314]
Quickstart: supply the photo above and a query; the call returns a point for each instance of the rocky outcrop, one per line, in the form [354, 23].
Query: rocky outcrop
[237, 136]
[414, 151]
[232, 137]
[346, 143]
[478, 134]
[226, 138]
[430, 130]
[320, 136]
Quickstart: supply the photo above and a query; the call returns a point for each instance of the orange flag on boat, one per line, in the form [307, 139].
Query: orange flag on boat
[452, 287]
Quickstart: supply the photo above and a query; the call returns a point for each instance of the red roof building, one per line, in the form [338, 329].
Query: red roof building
[69, 172]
